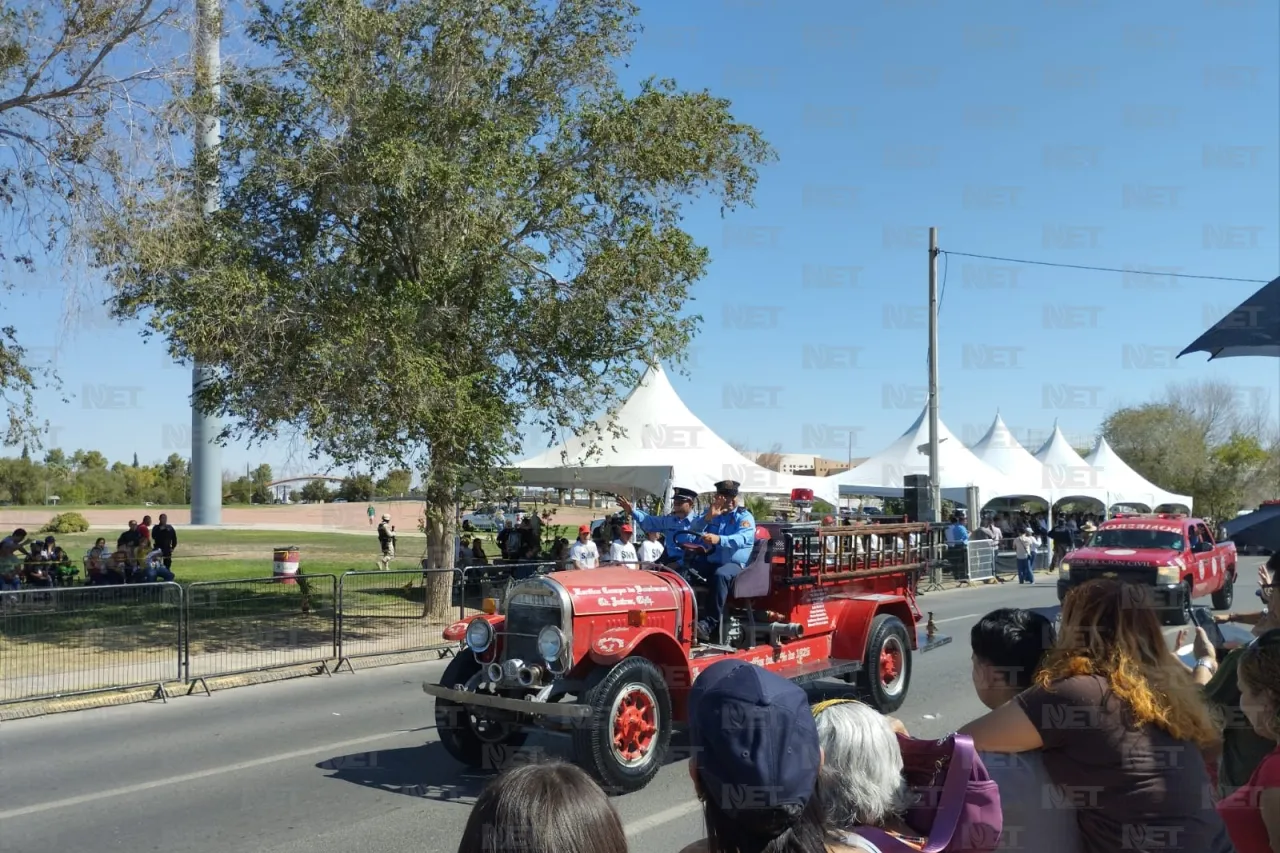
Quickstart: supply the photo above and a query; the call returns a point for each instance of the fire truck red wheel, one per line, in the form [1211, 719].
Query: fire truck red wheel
[886, 672]
[624, 742]
[467, 736]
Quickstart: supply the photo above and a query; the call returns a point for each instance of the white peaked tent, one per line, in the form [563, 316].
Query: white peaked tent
[1066, 474]
[958, 468]
[999, 449]
[664, 445]
[1125, 485]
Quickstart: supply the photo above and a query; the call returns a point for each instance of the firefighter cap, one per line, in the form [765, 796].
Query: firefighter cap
[728, 488]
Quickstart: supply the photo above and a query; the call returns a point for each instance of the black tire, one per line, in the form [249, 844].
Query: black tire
[634, 687]
[888, 636]
[1222, 598]
[1182, 615]
[473, 740]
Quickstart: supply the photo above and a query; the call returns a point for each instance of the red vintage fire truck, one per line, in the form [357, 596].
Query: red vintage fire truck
[608, 654]
[1173, 555]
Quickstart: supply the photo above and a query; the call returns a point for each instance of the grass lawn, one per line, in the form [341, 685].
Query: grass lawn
[206, 555]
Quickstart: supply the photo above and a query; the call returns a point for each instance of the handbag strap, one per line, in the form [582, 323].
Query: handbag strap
[950, 806]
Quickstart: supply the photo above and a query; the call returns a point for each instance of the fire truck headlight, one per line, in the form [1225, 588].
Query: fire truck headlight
[479, 636]
[551, 645]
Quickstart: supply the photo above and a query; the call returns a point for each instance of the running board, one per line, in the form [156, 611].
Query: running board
[819, 670]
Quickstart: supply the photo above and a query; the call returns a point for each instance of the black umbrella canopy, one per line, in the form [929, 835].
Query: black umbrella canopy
[1252, 329]
[1258, 529]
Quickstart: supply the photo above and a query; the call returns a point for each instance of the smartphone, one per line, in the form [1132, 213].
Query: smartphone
[1204, 619]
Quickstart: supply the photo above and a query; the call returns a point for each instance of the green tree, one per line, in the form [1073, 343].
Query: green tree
[238, 491]
[356, 488]
[396, 484]
[418, 215]
[74, 122]
[315, 491]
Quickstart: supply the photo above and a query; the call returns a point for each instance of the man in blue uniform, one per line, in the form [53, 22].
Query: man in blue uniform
[729, 531]
[678, 520]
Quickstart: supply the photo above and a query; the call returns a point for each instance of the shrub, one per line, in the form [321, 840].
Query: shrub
[66, 522]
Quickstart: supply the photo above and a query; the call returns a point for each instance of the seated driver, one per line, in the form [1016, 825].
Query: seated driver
[730, 531]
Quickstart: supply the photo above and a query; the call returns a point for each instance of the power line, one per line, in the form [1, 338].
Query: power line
[1100, 269]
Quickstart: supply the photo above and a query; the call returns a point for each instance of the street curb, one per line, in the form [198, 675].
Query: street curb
[178, 689]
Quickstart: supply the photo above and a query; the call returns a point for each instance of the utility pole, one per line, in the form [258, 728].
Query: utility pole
[206, 52]
[935, 488]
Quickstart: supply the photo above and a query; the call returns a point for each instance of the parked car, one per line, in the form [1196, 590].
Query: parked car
[1156, 551]
[491, 518]
[608, 654]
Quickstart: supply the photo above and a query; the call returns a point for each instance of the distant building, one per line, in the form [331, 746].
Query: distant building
[810, 465]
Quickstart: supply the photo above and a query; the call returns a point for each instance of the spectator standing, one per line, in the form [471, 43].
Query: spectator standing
[1024, 548]
[584, 554]
[1121, 726]
[650, 550]
[623, 550]
[12, 554]
[164, 537]
[144, 529]
[1008, 649]
[957, 533]
[478, 557]
[1252, 812]
[386, 541]
[371, 512]
[543, 808]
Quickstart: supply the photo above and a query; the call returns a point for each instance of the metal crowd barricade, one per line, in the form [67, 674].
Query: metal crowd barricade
[382, 613]
[256, 624]
[70, 641]
[980, 561]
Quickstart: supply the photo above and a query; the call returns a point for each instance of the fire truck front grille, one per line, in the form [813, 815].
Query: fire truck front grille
[524, 622]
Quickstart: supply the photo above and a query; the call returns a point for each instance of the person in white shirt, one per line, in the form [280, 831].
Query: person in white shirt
[651, 550]
[583, 554]
[1025, 549]
[623, 550]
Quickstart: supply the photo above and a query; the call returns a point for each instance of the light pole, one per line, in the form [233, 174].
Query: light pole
[206, 466]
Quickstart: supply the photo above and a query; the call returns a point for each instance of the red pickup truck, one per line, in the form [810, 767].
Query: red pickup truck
[1173, 554]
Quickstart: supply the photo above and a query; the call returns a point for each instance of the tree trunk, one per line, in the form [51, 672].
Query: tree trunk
[439, 513]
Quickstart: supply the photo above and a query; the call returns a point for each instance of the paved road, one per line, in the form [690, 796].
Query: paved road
[332, 765]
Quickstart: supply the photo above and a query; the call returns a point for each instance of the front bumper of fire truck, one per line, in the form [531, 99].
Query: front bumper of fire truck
[527, 707]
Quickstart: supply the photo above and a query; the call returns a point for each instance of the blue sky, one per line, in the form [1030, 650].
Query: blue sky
[1124, 135]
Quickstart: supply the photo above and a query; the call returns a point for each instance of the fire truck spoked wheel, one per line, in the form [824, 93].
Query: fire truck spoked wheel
[467, 735]
[886, 672]
[624, 742]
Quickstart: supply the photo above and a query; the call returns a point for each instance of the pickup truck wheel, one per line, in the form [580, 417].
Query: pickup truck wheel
[1222, 598]
[624, 741]
[1184, 615]
[467, 735]
[886, 673]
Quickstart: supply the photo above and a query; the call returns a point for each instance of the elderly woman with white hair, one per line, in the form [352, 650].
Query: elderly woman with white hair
[862, 781]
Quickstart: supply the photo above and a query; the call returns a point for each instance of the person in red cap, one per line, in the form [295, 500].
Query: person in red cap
[584, 554]
[623, 549]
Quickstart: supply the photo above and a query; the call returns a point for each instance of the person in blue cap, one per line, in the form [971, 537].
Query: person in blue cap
[755, 764]
[678, 520]
[729, 531]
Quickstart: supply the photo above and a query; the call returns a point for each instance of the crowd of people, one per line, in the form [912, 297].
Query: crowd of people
[1098, 739]
[142, 554]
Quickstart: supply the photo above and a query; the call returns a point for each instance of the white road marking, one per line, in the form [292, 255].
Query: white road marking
[956, 618]
[191, 777]
[657, 819]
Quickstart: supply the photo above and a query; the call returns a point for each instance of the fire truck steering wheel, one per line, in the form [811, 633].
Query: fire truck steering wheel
[695, 550]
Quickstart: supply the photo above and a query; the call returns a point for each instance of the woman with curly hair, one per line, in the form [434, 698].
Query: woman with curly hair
[1252, 812]
[1122, 726]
